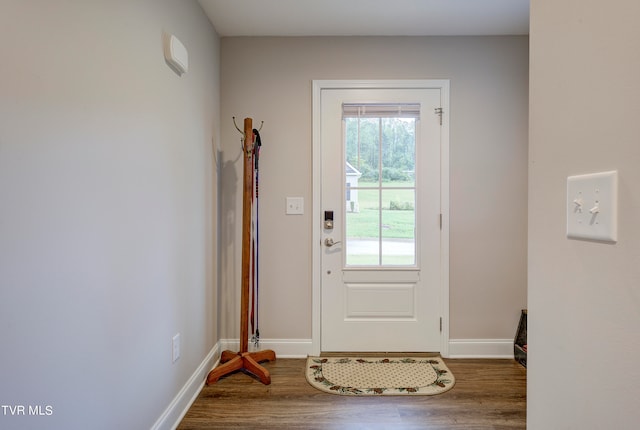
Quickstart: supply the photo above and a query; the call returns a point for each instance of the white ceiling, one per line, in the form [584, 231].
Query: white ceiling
[368, 17]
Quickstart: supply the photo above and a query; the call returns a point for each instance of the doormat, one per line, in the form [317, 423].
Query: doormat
[356, 376]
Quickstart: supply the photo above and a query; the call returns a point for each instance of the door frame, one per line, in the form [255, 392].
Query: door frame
[316, 297]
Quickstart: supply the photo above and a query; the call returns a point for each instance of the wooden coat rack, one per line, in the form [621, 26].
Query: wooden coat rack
[244, 360]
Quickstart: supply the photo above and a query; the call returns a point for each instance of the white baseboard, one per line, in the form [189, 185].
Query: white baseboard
[458, 348]
[181, 403]
[284, 348]
[481, 348]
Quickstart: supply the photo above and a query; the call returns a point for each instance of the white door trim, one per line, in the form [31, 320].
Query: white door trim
[317, 87]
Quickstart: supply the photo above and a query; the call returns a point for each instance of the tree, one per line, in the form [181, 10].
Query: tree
[393, 138]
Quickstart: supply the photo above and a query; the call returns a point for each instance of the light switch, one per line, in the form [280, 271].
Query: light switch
[295, 205]
[592, 206]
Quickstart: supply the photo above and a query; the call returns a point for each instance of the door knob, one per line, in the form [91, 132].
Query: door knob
[329, 242]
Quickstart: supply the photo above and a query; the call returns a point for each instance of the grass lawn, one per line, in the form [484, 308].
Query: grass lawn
[398, 224]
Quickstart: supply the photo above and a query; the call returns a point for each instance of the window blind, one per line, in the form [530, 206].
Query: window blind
[381, 110]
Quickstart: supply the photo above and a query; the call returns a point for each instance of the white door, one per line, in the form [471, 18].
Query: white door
[380, 207]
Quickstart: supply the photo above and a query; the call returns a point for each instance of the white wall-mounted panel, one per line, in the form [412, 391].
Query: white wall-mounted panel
[175, 54]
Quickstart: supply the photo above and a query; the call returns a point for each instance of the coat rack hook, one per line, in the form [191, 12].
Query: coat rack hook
[261, 124]
[236, 125]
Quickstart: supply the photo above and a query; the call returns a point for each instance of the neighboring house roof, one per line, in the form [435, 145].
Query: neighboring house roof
[352, 171]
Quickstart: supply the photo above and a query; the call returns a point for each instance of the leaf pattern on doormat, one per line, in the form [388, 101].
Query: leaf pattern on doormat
[357, 376]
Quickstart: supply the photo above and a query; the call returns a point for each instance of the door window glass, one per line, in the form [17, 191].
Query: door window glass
[380, 184]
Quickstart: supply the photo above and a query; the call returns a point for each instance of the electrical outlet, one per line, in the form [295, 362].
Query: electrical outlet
[175, 348]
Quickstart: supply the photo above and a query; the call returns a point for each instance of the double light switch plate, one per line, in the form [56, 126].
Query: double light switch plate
[592, 207]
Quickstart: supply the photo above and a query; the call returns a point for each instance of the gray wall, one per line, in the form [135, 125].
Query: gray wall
[108, 197]
[269, 79]
[584, 297]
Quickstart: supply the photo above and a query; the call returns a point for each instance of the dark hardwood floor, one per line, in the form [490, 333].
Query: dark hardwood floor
[489, 394]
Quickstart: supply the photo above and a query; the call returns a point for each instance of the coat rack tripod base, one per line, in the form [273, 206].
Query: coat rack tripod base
[244, 360]
[247, 361]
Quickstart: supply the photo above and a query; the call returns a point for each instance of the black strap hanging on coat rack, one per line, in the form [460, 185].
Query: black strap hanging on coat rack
[255, 272]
